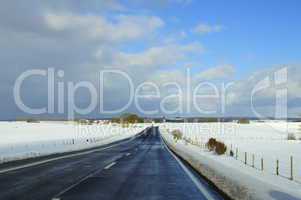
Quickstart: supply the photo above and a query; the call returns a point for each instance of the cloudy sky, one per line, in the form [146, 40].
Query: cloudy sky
[229, 48]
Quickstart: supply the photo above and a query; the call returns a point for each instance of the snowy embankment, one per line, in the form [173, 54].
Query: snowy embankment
[232, 176]
[21, 140]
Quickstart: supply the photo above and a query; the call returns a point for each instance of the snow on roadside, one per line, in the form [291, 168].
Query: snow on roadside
[236, 179]
[20, 140]
[267, 141]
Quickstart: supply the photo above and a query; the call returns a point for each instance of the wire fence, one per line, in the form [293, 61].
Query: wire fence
[284, 166]
[82, 140]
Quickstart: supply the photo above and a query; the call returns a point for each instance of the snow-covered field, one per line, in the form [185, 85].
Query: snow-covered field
[19, 140]
[264, 140]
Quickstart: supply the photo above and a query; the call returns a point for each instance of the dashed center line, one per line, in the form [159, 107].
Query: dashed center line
[110, 165]
[82, 180]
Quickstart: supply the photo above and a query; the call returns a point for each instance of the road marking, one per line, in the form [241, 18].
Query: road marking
[76, 184]
[110, 165]
[197, 183]
[83, 179]
[62, 157]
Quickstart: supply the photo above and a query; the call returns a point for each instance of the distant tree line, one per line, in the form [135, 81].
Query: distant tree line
[128, 118]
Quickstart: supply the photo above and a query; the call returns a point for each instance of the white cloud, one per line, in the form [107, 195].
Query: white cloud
[162, 77]
[158, 56]
[204, 28]
[183, 1]
[81, 45]
[239, 95]
[158, 3]
[122, 28]
[219, 72]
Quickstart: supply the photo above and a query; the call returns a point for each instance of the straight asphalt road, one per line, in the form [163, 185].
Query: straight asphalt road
[141, 168]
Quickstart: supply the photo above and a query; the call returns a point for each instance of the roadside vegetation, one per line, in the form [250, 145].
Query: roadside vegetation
[218, 147]
[84, 121]
[244, 121]
[32, 121]
[177, 135]
[291, 136]
[127, 119]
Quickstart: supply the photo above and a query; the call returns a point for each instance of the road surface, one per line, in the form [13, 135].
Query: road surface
[140, 168]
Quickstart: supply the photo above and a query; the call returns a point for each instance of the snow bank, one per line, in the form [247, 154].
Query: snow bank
[20, 140]
[265, 140]
[233, 177]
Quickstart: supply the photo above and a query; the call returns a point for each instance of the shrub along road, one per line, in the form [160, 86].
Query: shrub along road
[141, 168]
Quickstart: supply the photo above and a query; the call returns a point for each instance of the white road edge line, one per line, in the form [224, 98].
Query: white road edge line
[110, 165]
[61, 157]
[198, 184]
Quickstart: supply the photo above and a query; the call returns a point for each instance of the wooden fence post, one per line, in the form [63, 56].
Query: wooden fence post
[261, 164]
[246, 157]
[292, 168]
[277, 167]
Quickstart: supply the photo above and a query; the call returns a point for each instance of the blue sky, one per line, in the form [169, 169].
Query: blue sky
[256, 33]
[219, 41]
